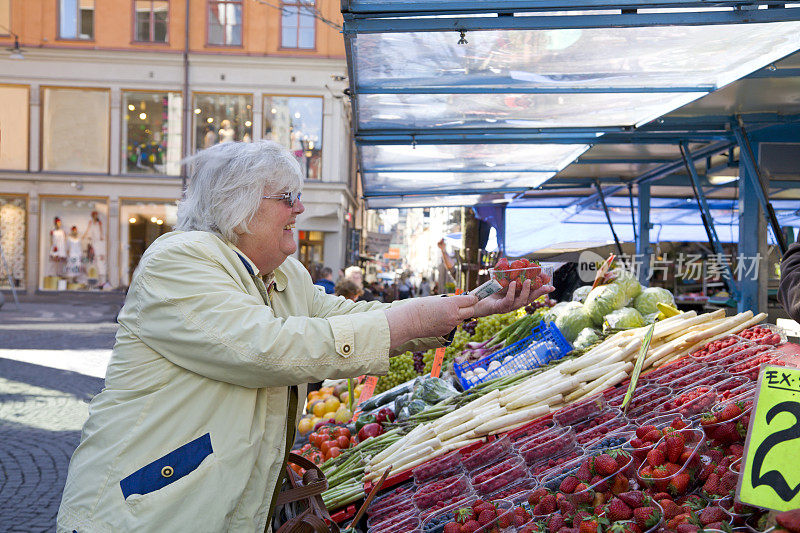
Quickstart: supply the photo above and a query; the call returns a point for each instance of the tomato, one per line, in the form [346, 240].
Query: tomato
[334, 452]
[316, 458]
[342, 442]
[342, 432]
[314, 439]
[305, 448]
[353, 440]
[326, 446]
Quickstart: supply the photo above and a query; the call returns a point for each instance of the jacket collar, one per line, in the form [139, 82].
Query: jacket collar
[280, 278]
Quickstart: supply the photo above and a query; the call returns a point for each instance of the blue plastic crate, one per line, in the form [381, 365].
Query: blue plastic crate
[544, 344]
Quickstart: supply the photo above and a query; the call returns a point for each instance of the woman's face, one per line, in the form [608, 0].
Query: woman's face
[271, 238]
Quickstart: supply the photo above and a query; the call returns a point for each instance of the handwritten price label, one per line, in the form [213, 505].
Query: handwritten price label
[770, 470]
[436, 368]
[366, 393]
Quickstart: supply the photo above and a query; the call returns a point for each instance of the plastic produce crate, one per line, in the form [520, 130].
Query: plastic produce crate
[544, 344]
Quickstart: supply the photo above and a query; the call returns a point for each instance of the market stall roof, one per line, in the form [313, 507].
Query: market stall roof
[455, 100]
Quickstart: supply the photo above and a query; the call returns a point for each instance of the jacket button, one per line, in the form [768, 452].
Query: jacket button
[167, 471]
[346, 348]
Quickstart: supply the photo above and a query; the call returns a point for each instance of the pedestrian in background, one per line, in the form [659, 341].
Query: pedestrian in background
[348, 289]
[353, 273]
[326, 280]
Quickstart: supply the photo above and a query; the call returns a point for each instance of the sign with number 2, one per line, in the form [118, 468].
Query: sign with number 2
[771, 465]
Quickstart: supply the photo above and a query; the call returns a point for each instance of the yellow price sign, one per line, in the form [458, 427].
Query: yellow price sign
[770, 473]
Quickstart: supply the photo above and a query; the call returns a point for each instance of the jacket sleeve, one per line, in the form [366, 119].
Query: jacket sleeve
[193, 312]
[349, 313]
[789, 288]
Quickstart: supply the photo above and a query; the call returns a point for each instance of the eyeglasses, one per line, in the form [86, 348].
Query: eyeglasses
[289, 197]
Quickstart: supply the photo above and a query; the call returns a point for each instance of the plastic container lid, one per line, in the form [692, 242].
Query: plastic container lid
[588, 437]
[596, 420]
[516, 274]
[399, 493]
[515, 492]
[546, 445]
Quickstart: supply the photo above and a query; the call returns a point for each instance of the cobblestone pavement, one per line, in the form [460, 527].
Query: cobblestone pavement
[52, 359]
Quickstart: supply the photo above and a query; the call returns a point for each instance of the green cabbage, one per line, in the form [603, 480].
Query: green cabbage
[581, 293]
[604, 299]
[586, 338]
[628, 282]
[646, 302]
[572, 319]
[625, 318]
[551, 314]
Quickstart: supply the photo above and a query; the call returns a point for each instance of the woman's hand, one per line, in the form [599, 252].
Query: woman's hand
[505, 301]
[431, 316]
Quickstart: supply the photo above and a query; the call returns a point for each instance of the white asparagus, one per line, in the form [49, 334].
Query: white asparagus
[600, 384]
[403, 467]
[433, 444]
[596, 371]
[476, 421]
[512, 418]
[463, 414]
[412, 435]
[523, 388]
[560, 387]
[724, 326]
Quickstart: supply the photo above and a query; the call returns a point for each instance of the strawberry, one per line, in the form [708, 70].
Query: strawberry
[678, 423]
[589, 525]
[789, 520]
[619, 484]
[712, 514]
[486, 517]
[568, 485]
[452, 527]
[465, 514]
[675, 444]
[633, 498]
[671, 509]
[556, 522]
[687, 528]
[627, 526]
[732, 410]
[536, 283]
[502, 264]
[617, 510]
[505, 520]
[728, 481]
[605, 465]
[641, 431]
[535, 496]
[584, 472]
[548, 504]
[470, 527]
[652, 435]
[655, 457]
[679, 484]
[646, 517]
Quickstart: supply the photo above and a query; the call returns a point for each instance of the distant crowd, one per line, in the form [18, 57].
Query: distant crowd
[350, 284]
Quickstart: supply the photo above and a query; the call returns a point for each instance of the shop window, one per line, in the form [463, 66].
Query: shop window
[13, 224]
[311, 246]
[298, 29]
[142, 221]
[225, 22]
[76, 19]
[5, 16]
[75, 130]
[152, 20]
[73, 251]
[220, 118]
[296, 123]
[152, 126]
[14, 128]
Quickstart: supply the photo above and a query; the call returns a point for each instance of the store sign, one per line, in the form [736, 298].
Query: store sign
[770, 473]
[378, 243]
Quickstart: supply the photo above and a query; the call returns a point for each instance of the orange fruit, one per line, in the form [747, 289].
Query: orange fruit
[305, 425]
[318, 408]
[332, 404]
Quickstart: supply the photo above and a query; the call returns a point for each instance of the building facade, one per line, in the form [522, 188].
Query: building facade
[109, 96]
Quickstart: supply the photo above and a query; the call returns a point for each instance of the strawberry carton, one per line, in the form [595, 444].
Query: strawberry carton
[518, 271]
[606, 473]
[643, 395]
[597, 420]
[580, 411]
[689, 403]
[712, 351]
[549, 444]
[752, 367]
[727, 423]
[504, 473]
[442, 510]
[597, 433]
[444, 466]
[477, 516]
[651, 430]
[388, 500]
[766, 334]
[489, 453]
[731, 386]
[673, 465]
[653, 375]
[440, 492]
[394, 522]
[530, 430]
[515, 492]
[556, 463]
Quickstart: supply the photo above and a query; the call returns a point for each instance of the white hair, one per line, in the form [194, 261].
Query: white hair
[350, 271]
[227, 181]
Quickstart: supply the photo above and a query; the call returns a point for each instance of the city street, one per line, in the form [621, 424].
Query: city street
[53, 355]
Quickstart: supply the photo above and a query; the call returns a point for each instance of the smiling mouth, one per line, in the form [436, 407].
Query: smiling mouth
[289, 227]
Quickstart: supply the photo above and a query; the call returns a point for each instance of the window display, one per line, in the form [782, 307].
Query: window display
[152, 125]
[220, 118]
[225, 22]
[13, 228]
[73, 244]
[75, 130]
[296, 123]
[142, 221]
[14, 127]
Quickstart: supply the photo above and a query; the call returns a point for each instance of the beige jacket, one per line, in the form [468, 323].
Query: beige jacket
[189, 432]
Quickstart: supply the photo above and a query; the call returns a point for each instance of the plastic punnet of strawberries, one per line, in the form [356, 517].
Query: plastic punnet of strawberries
[691, 402]
[648, 434]
[519, 271]
[672, 466]
[762, 335]
[727, 423]
[483, 516]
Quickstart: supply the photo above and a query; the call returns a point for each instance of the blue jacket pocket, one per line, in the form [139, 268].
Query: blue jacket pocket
[168, 469]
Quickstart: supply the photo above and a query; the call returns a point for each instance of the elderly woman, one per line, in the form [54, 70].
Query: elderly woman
[220, 331]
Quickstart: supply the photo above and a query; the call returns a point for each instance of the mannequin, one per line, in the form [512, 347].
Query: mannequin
[95, 236]
[58, 246]
[74, 254]
[226, 133]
